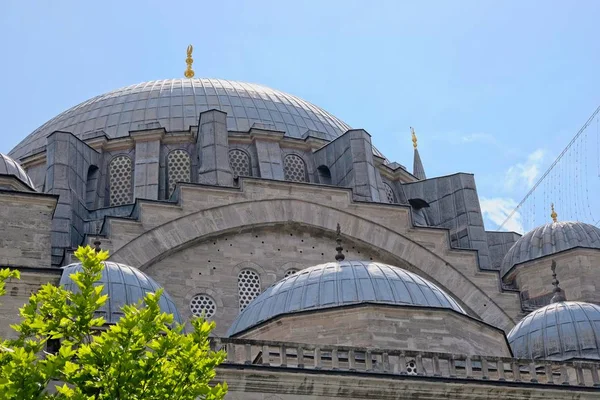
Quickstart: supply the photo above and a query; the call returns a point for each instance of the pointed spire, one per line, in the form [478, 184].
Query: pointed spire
[553, 215]
[339, 256]
[418, 170]
[558, 293]
[189, 72]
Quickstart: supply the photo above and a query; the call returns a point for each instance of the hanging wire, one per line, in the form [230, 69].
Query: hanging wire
[587, 176]
[560, 156]
[575, 182]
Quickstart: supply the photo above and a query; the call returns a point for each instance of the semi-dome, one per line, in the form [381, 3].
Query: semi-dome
[176, 104]
[559, 331]
[124, 285]
[8, 166]
[549, 239]
[338, 284]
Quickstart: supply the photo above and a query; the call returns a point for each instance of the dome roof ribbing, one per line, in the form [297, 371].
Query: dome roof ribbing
[338, 284]
[549, 239]
[558, 331]
[8, 166]
[176, 104]
[124, 285]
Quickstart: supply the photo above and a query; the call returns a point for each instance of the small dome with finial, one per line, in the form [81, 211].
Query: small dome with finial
[562, 330]
[124, 285]
[550, 239]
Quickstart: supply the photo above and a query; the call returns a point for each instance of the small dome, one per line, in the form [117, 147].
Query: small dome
[550, 239]
[559, 331]
[338, 284]
[124, 285]
[8, 166]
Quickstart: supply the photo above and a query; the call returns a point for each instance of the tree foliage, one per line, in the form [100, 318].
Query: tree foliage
[144, 356]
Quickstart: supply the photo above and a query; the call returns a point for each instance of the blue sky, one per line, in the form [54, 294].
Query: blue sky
[496, 88]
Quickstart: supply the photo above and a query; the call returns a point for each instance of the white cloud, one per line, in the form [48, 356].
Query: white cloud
[497, 209]
[478, 137]
[525, 172]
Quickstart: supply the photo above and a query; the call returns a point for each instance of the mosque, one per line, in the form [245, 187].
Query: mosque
[331, 271]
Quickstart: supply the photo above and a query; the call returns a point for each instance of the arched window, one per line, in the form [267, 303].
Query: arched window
[239, 161]
[324, 175]
[294, 168]
[248, 287]
[91, 187]
[120, 178]
[391, 197]
[203, 305]
[179, 168]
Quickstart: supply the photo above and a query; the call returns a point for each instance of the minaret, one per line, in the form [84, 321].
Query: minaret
[418, 170]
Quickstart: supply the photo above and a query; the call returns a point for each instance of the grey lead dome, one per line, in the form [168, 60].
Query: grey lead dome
[8, 166]
[176, 105]
[124, 285]
[549, 239]
[559, 331]
[338, 284]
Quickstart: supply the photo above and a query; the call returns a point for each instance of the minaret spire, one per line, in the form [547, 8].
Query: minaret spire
[418, 170]
[189, 72]
[558, 293]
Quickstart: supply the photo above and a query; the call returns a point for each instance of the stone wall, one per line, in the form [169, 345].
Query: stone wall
[212, 267]
[256, 383]
[454, 205]
[388, 327]
[25, 226]
[17, 294]
[205, 213]
[499, 243]
[576, 269]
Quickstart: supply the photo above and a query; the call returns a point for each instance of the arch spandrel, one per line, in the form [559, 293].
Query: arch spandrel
[170, 237]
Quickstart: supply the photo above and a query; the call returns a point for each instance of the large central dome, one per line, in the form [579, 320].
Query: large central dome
[177, 103]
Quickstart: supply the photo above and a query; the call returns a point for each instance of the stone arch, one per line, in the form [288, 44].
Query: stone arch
[176, 234]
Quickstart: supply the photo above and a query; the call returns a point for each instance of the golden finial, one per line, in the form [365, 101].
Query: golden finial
[414, 137]
[554, 215]
[189, 72]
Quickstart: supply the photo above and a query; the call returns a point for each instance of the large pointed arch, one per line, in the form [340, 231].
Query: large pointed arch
[161, 241]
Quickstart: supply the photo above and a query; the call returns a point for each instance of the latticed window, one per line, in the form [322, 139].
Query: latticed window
[248, 287]
[294, 168]
[240, 163]
[179, 168]
[120, 178]
[290, 272]
[391, 198]
[202, 304]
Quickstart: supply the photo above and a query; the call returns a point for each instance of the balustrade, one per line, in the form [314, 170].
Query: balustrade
[404, 362]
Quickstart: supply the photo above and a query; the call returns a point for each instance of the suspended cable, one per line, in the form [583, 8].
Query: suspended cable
[560, 156]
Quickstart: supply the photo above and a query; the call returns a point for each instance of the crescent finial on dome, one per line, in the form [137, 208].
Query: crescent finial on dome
[553, 214]
[189, 72]
[414, 137]
[340, 255]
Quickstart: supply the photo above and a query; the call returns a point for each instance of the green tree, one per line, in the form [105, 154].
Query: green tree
[144, 356]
